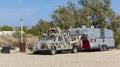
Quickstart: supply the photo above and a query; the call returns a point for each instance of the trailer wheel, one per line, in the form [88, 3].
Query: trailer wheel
[52, 51]
[105, 48]
[101, 48]
[74, 50]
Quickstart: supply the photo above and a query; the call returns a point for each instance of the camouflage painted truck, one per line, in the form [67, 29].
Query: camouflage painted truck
[54, 41]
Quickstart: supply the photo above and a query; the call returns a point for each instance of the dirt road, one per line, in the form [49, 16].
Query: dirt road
[109, 58]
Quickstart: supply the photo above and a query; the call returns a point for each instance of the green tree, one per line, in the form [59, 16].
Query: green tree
[91, 12]
[34, 31]
[77, 15]
[115, 26]
[63, 17]
[43, 25]
[6, 28]
[98, 11]
[25, 29]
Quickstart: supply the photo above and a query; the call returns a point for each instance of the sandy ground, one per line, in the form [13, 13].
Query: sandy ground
[109, 58]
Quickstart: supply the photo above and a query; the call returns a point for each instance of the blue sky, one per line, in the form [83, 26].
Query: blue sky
[33, 10]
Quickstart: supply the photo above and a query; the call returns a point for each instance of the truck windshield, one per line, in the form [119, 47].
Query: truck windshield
[35, 42]
[47, 38]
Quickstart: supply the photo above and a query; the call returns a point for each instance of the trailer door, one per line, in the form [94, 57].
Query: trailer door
[102, 34]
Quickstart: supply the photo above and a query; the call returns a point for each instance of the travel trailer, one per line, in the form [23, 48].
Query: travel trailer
[92, 38]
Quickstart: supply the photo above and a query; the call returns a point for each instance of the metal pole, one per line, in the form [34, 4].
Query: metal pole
[21, 30]
[22, 44]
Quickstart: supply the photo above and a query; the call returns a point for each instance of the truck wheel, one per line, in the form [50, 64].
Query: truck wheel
[105, 48]
[52, 51]
[74, 50]
[36, 52]
[59, 51]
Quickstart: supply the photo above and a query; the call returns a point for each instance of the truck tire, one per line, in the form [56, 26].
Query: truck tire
[36, 52]
[52, 51]
[59, 51]
[74, 50]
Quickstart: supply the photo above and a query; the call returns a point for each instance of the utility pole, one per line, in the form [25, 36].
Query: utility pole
[21, 21]
[22, 43]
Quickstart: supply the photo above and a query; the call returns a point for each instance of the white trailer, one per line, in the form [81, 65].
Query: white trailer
[93, 38]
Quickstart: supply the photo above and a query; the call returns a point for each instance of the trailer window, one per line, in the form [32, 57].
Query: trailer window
[102, 33]
[48, 38]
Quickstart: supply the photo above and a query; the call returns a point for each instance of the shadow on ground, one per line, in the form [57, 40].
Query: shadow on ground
[64, 52]
[48, 53]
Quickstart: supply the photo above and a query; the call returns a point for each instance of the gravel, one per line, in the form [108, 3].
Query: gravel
[109, 58]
